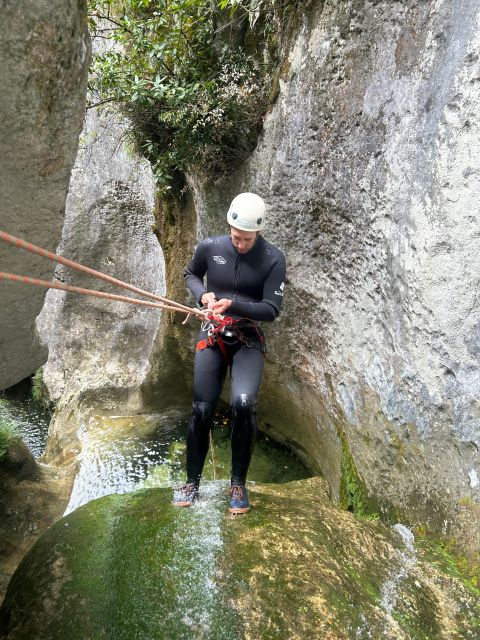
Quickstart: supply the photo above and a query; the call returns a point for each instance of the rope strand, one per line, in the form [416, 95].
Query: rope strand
[22, 244]
[13, 277]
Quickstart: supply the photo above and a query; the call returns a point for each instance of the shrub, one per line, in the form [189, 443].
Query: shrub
[192, 76]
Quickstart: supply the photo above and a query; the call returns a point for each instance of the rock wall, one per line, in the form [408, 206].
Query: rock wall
[44, 48]
[371, 171]
[99, 350]
[33, 497]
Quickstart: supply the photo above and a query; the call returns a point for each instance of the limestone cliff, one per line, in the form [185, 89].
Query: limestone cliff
[370, 172]
[99, 350]
[45, 52]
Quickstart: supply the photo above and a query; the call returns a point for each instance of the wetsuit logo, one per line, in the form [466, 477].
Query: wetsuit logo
[280, 293]
[219, 259]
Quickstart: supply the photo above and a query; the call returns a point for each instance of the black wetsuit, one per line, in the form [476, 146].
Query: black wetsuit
[254, 282]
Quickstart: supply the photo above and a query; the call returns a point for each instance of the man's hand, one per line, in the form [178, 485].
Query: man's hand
[221, 306]
[208, 299]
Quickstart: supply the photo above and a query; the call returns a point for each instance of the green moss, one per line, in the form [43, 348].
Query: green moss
[133, 566]
[398, 444]
[443, 554]
[125, 567]
[353, 494]
[309, 576]
[467, 501]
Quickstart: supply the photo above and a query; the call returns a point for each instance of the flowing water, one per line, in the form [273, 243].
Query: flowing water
[121, 453]
[30, 416]
[407, 559]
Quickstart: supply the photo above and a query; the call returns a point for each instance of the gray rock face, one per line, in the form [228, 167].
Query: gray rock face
[371, 170]
[44, 47]
[99, 349]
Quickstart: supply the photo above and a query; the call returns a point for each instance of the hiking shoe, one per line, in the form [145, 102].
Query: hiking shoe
[239, 499]
[186, 496]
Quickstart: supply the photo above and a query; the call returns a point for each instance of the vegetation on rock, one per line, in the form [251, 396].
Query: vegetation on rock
[8, 435]
[295, 567]
[353, 494]
[194, 77]
[39, 389]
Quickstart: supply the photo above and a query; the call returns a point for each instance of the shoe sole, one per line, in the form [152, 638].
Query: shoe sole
[234, 511]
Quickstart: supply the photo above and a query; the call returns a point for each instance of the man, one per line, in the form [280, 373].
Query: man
[244, 281]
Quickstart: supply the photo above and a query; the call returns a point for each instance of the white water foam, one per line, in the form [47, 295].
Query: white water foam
[110, 464]
[408, 559]
[199, 537]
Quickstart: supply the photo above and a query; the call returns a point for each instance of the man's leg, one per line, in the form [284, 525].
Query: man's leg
[209, 374]
[247, 370]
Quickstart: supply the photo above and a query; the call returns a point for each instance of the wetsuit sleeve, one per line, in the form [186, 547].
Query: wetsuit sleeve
[268, 308]
[195, 271]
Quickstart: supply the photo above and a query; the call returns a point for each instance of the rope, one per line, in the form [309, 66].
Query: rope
[212, 451]
[13, 277]
[22, 244]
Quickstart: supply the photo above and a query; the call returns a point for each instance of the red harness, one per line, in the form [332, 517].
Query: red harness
[214, 335]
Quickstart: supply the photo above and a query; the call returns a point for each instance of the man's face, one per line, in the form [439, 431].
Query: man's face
[243, 241]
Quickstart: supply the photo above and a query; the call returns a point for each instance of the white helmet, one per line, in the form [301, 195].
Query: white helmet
[247, 212]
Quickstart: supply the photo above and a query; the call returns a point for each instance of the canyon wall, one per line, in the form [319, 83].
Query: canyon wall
[100, 350]
[45, 50]
[371, 173]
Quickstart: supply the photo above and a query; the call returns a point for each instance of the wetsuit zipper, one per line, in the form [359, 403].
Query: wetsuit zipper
[237, 264]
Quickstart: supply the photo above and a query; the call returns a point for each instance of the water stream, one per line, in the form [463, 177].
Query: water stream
[121, 453]
[30, 416]
[407, 559]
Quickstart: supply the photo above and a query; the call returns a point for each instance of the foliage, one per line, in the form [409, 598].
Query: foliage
[39, 390]
[8, 435]
[192, 76]
[353, 495]
[37, 385]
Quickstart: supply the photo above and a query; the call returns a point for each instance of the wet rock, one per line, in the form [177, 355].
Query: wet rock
[295, 567]
[19, 462]
[32, 498]
[45, 55]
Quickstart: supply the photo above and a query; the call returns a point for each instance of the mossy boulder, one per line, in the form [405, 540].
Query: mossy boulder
[32, 497]
[134, 566]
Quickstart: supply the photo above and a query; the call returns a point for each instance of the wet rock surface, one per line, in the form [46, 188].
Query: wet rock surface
[45, 53]
[32, 498]
[295, 567]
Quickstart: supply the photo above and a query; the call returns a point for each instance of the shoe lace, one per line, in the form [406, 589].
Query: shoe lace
[237, 492]
[188, 488]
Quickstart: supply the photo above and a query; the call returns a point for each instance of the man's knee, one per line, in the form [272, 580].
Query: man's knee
[244, 404]
[202, 411]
